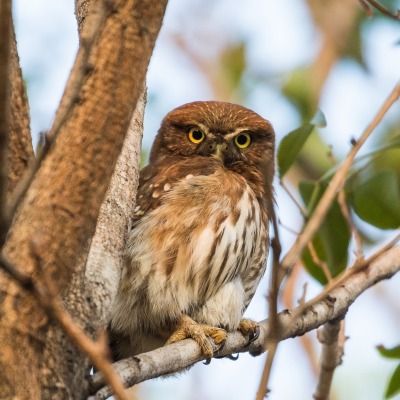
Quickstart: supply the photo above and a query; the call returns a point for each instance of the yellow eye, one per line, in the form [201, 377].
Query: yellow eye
[243, 140]
[196, 135]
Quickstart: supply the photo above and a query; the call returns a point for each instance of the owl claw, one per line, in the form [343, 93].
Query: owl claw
[200, 333]
[249, 329]
[254, 336]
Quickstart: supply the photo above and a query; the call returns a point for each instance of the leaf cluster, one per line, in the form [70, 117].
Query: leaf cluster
[371, 194]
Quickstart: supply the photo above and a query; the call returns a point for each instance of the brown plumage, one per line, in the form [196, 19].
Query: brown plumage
[199, 239]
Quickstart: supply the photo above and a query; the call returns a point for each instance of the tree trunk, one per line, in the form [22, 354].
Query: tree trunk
[57, 218]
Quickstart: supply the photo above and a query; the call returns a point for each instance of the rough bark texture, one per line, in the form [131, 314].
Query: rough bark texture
[178, 356]
[104, 262]
[81, 12]
[59, 212]
[20, 150]
[96, 278]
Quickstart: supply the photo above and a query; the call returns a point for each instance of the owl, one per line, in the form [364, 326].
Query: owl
[198, 243]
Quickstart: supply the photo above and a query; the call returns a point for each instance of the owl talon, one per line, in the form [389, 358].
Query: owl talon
[254, 336]
[249, 329]
[200, 333]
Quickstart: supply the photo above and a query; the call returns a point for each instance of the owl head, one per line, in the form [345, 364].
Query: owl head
[215, 129]
[240, 138]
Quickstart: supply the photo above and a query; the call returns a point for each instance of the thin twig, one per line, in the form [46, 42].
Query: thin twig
[340, 279]
[381, 8]
[5, 91]
[367, 8]
[331, 357]
[44, 292]
[346, 214]
[288, 228]
[317, 261]
[263, 387]
[290, 194]
[273, 341]
[335, 185]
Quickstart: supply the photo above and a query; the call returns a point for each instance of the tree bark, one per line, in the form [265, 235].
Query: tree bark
[57, 218]
[20, 150]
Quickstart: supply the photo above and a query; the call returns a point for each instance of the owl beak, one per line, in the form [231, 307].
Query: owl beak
[220, 150]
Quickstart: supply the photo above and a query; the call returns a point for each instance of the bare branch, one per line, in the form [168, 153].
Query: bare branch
[379, 7]
[290, 194]
[317, 261]
[335, 185]
[331, 357]
[180, 355]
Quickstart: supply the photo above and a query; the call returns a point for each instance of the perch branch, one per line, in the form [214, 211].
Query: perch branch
[335, 185]
[334, 305]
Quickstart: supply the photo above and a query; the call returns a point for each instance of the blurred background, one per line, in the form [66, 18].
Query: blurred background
[283, 59]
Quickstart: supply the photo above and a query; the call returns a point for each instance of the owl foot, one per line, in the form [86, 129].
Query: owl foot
[187, 328]
[249, 329]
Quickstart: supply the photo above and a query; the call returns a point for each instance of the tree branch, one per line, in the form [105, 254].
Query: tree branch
[180, 355]
[331, 357]
[381, 8]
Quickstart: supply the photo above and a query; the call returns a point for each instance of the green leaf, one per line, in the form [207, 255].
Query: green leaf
[292, 143]
[394, 384]
[389, 353]
[331, 242]
[377, 200]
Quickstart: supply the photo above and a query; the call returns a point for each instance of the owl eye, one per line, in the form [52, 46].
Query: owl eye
[243, 140]
[196, 135]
